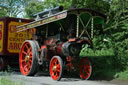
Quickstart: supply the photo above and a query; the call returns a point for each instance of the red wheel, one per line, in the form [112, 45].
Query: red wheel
[85, 68]
[1, 64]
[56, 68]
[28, 58]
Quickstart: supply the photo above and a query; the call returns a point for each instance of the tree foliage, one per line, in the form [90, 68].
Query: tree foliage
[11, 8]
[100, 5]
[117, 29]
[3, 11]
[34, 7]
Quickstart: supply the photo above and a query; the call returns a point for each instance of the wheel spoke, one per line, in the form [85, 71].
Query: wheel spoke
[28, 50]
[56, 74]
[26, 68]
[58, 65]
[52, 64]
[26, 45]
[30, 60]
[29, 65]
[30, 55]
[23, 60]
[24, 52]
[58, 69]
[55, 62]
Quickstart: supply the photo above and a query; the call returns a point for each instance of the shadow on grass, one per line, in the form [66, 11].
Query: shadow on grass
[104, 67]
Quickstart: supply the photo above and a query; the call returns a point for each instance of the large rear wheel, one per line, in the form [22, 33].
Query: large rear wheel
[85, 68]
[28, 58]
[56, 68]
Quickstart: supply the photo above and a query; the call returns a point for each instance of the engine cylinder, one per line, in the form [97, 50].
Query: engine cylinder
[71, 49]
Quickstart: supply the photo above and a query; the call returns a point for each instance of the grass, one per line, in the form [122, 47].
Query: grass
[5, 79]
[122, 75]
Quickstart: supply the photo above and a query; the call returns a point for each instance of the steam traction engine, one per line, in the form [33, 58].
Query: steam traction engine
[59, 38]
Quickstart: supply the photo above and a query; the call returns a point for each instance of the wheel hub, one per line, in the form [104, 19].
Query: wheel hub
[26, 58]
[54, 68]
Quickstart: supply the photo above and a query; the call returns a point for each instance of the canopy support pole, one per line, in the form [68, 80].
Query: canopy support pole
[92, 28]
[77, 29]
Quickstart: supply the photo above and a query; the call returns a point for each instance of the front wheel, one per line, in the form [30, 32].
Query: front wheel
[56, 68]
[85, 68]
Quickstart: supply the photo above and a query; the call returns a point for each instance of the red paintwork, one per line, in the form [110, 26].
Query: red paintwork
[25, 63]
[55, 68]
[72, 40]
[50, 41]
[59, 49]
[85, 68]
[70, 64]
[53, 48]
[43, 47]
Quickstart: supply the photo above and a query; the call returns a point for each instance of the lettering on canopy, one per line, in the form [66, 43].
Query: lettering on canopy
[42, 21]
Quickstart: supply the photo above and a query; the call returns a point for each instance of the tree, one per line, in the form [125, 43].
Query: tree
[34, 7]
[12, 8]
[100, 5]
[3, 11]
[117, 29]
[54, 3]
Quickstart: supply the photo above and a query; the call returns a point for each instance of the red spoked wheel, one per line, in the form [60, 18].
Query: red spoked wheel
[56, 68]
[1, 64]
[28, 58]
[85, 68]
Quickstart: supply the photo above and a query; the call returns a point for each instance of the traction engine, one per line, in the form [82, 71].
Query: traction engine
[56, 45]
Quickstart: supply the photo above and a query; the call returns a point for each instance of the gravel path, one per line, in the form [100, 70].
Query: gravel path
[40, 79]
[44, 80]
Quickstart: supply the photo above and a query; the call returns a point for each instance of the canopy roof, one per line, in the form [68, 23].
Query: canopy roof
[85, 15]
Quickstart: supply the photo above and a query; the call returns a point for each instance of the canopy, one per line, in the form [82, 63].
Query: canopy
[64, 17]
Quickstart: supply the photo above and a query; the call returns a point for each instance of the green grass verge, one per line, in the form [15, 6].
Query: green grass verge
[6, 80]
[122, 75]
